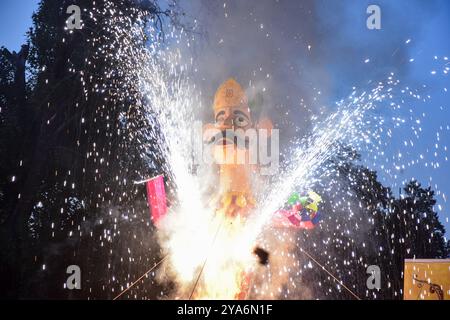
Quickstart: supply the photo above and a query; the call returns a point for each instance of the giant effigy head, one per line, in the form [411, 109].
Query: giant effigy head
[230, 106]
[232, 126]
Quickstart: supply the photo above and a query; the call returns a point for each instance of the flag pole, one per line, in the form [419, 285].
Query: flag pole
[146, 180]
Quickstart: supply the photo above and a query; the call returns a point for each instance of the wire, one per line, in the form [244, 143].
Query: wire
[204, 263]
[147, 272]
[338, 281]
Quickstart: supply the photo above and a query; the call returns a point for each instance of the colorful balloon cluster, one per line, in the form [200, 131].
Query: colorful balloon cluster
[300, 212]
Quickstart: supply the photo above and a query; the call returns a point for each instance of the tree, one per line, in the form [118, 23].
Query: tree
[70, 158]
[364, 224]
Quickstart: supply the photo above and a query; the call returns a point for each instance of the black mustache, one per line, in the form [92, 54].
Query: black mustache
[236, 138]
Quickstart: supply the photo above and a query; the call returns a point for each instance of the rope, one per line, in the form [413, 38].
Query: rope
[336, 279]
[147, 272]
[250, 285]
[204, 263]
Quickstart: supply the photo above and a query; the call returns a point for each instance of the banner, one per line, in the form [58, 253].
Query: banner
[426, 279]
[156, 197]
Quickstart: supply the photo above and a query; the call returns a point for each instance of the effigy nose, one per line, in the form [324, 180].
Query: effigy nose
[228, 121]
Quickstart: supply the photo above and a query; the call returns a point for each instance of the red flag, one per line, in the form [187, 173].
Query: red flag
[156, 197]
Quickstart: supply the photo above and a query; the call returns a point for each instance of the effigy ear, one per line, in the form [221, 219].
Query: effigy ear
[266, 124]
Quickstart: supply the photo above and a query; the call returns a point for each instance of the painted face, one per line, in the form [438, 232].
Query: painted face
[231, 119]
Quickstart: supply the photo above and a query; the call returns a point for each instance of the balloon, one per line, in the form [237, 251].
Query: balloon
[301, 212]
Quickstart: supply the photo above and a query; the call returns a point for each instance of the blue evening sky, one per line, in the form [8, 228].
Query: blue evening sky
[15, 20]
[426, 24]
